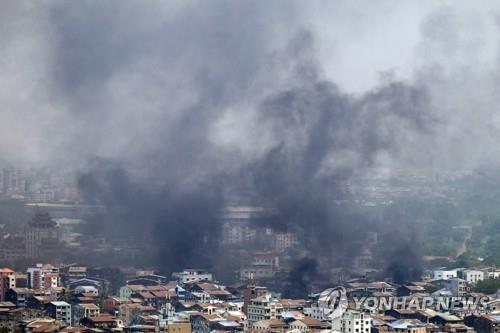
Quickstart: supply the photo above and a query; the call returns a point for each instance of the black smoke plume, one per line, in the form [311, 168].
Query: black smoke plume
[302, 275]
[292, 178]
[183, 224]
[167, 186]
[404, 264]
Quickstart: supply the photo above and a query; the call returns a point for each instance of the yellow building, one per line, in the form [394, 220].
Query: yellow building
[177, 327]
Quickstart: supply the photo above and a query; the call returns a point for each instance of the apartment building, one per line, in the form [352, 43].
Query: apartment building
[355, 322]
[264, 307]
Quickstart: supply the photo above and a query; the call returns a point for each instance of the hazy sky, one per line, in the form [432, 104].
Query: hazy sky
[116, 79]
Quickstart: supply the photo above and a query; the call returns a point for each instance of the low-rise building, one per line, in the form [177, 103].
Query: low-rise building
[306, 324]
[285, 240]
[269, 325]
[264, 307]
[7, 281]
[494, 274]
[472, 276]
[487, 324]
[493, 306]
[60, 311]
[204, 323]
[407, 326]
[409, 290]
[256, 272]
[89, 290]
[39, 302]
[84, 310]
[106, 323]
[192, 275]
[444, 274]
[355, 322]
[19, 296]
[458, 287]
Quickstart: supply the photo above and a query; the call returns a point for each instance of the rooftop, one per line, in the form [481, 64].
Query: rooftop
[6, 270]
[229, 323]
[42, 220]
[495, 318]
[406, 324]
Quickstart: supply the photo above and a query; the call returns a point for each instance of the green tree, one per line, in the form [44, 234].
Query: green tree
[430, 288]
[467, 260]
[488, 286]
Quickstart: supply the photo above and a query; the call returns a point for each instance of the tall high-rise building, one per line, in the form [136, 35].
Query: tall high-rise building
[42, 235]
[7, 281]
[43, 276]
[13, 181]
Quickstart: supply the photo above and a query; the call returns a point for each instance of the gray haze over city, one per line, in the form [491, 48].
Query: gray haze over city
[129, 80]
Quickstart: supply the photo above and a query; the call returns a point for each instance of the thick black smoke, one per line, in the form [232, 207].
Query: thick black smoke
[164, 179]
[302, 275]
[404, 264]
[183, 224]
[336, 136]
[292, 179]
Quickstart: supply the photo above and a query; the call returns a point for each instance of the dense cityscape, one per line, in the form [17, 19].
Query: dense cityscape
[269, 284]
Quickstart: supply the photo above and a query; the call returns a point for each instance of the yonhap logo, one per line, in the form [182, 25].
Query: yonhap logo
[333, 301]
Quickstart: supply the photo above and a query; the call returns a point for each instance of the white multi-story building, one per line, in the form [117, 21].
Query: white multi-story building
[255, 272]
[264, 307]
[473, 276]
[458, 287]
[36, 276]
[285, 240]
[237, 225]
[316, 312]
[237, 233]
[494, 274]
[322, 309]
[259, 265]
[84, 310]
[193, 275]
[355, 322]
[60, 311]
[445, 274]
[13, 181]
